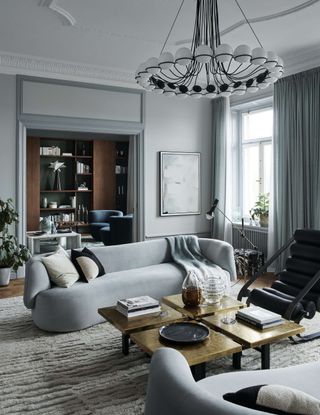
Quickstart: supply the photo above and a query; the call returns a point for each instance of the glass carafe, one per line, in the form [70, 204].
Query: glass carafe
[192, 289]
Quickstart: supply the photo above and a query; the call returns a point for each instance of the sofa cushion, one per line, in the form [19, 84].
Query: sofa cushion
[136, 255]
[87, 264]
[277, 399]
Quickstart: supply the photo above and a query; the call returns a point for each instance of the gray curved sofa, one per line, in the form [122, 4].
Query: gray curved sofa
[173, 391]
[142, 268]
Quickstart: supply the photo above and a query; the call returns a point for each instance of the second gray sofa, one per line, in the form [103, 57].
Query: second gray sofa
[142, 268]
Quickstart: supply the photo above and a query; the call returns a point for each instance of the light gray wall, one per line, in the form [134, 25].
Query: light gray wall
[172, 124]
[7, 136]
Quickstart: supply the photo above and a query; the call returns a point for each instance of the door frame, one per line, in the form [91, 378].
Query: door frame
[25, 122]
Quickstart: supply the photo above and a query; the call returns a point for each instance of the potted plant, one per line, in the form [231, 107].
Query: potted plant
[261, 209]
[12, 254]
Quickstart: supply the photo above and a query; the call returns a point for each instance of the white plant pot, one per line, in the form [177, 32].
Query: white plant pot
[5, 276]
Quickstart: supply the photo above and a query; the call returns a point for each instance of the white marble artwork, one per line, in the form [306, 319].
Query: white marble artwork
[180, 183]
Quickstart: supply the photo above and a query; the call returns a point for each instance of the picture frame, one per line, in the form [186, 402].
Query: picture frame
[180, 183]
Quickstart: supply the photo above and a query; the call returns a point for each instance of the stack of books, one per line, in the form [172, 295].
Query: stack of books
[138, 306]
[259, 317]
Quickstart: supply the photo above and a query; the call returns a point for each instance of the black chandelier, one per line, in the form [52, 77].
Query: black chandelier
[209, 68]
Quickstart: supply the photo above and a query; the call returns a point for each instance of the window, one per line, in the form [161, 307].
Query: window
[255, 143]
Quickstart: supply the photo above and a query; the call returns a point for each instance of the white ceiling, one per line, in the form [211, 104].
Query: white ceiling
[105, 40]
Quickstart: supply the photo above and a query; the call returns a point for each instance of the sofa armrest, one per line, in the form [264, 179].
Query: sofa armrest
[36, 280]
[221, 253]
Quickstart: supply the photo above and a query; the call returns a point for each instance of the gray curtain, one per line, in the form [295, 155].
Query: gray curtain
[220, 165]
[296, 199]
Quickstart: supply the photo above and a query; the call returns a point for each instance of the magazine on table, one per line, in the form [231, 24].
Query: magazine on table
[259, 315]
[137, 303]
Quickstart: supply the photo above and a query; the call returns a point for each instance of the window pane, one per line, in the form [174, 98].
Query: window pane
[267, 166]
[250, 160]
[257, 124]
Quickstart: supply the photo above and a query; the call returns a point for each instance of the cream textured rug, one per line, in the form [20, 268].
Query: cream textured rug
[85, 373]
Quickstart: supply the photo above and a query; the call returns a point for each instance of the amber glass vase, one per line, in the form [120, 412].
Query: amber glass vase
[192, 289]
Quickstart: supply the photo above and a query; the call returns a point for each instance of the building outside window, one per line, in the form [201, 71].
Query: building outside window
[255, 157]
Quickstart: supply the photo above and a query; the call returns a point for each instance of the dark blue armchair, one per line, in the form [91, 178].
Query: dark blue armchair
[120, 231]
[99, 219]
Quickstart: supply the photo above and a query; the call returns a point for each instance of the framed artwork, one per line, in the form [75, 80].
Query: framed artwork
[179, 183]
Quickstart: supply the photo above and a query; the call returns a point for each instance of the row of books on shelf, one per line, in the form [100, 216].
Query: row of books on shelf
[259, 317]
[138, 306]
[82, 168]
[50, 151]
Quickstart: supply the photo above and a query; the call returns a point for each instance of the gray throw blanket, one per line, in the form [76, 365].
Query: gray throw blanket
[186, 252]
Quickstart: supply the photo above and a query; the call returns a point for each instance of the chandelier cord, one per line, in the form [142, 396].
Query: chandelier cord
[173, 23]
[243, 14]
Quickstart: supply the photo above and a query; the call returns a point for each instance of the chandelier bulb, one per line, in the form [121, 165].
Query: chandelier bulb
[224, 53]
[183, 56]
[203, 54]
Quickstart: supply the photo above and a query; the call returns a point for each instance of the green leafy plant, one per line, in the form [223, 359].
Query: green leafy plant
[261, 208]
[12, 254]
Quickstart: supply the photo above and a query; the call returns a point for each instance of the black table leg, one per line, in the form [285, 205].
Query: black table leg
[265, 356]
[236, 360]
[125, 344]
[198, 371]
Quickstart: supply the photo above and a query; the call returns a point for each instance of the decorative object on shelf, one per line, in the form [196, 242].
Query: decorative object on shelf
[192, 289]
[261, 209]
[44, 202]
[83, 186]
[209, 68]
[213, 288]
[73, 201]
[83, 152]
[179, 183]
[57, 166]
[45, 224]
[53, 205]
[12, 254]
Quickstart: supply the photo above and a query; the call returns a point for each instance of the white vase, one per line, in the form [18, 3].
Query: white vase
[4, 276]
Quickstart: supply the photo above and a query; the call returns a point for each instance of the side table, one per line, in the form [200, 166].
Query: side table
[73, 240]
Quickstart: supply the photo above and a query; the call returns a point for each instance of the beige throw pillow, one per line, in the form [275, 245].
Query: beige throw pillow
[60, 269]
[89, 268]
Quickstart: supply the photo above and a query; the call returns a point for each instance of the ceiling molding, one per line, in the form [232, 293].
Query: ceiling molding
[66, 18]
[30, 65]
[265, 18]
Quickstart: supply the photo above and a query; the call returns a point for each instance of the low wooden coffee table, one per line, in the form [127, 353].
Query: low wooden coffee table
[251, 337]
[215, 346]
[226, 304]
[132, 325]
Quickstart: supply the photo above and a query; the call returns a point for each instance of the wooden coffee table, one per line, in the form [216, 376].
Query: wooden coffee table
[251, 337]
[226, 304]
[132, 325]
[215, 346]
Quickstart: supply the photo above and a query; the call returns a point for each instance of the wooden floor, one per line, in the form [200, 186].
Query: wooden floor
[15, 288]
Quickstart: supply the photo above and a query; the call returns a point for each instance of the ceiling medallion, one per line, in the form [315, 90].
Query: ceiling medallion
[209, 68]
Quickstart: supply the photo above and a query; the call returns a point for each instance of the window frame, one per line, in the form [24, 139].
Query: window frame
[239, 133]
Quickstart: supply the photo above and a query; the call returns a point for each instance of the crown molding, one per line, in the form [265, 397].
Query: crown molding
[65, 17]
[265, 18]
[12, 63]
